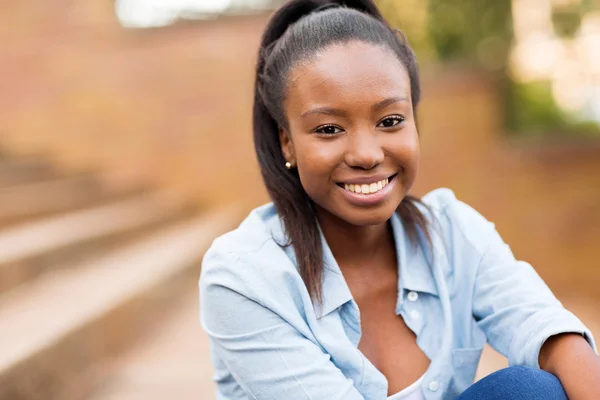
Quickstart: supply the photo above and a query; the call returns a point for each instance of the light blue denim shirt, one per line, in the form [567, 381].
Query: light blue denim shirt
[268, 340]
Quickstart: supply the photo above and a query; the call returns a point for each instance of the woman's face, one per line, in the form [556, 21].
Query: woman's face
[352, 132]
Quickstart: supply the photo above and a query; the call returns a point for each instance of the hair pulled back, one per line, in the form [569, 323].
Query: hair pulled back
[295, 33]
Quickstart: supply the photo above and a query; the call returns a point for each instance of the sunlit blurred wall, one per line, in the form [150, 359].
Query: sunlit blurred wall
[170, 105]
[173, 105]
[544, 197]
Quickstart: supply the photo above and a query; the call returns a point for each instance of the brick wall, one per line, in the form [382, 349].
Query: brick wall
[173, 106]
[168, 105]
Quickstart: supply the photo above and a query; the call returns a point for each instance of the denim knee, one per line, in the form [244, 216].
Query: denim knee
[516, 383]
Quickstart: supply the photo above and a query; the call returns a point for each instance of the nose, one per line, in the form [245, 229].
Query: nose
[364, 150]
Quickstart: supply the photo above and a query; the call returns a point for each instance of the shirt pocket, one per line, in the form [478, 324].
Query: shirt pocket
[465, 362]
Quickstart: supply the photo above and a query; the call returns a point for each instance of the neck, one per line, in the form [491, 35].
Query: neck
[355, 246]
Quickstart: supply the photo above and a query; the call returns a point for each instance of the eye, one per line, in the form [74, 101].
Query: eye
[391, 121]
[328, 129]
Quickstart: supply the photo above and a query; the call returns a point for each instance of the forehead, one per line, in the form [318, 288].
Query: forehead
[346, 71]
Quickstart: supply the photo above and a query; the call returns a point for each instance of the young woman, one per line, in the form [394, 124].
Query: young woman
[347, 287]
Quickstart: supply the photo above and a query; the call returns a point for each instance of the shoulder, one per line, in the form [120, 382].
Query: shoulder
[458, 221]
[253, 233]
[251, 260]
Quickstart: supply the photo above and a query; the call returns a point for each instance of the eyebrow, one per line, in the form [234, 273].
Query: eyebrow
[326, 111]
[341, 113]
[387, 102]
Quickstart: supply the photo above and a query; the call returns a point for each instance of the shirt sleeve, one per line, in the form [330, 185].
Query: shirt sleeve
[268, 357]
[512, 304]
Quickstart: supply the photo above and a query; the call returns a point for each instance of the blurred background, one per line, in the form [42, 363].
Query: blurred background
[125, 148]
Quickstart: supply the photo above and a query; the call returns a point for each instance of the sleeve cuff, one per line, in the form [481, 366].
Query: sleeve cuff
[533, 333]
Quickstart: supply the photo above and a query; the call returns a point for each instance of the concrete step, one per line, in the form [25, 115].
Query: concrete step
[20, 170]
[169, 362]
[19, 203]
[55, 330]
[54, 242]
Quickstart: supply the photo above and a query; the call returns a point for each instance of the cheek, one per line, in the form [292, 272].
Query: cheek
[316, 161]
[413, 150]
[405, 150]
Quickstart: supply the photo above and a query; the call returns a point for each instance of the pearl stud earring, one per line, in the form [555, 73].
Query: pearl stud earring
[288, 165]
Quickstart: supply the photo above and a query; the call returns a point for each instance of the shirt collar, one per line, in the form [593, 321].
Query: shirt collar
[335, 290]
[414, 270]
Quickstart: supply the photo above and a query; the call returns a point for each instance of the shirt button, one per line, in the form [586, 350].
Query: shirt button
[413, 296]
[414, 314]
[434, 386]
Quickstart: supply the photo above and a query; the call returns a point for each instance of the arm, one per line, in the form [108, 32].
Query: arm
[267, 357]
[572, 360]
[511, 303]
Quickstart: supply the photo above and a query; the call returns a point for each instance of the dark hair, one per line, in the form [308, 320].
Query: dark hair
[296, 32]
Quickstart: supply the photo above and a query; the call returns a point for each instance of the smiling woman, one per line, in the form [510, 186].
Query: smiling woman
[333, 138]
[346, 286]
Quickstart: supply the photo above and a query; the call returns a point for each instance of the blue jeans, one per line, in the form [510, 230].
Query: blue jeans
[516, 383]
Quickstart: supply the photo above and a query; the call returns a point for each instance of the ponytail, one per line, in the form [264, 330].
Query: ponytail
[295, 32]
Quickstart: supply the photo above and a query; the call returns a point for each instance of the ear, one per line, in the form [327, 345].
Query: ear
[287, 146]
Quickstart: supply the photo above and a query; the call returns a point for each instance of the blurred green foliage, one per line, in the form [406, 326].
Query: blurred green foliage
[532, 112]
[566, 20]
[533, 109]
[480, 33]
[474, 31]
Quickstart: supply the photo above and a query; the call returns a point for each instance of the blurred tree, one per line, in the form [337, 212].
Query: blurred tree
[480, 33]
[411, 17]
[475, 31]
[471, 30]
[533, 109]
[566, 19]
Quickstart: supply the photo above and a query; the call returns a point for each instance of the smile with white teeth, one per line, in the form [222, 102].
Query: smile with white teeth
[367, 188]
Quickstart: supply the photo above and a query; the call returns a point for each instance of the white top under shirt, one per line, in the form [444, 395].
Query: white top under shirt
[412, 392]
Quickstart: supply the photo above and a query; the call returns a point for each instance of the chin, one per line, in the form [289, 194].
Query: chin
[367, 217]
[348, 211]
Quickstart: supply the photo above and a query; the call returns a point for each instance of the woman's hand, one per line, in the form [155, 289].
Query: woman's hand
[570, 357]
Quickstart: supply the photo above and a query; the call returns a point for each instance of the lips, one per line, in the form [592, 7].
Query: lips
[365, 179]
[366, 185]
[367, 188]
[370, 193]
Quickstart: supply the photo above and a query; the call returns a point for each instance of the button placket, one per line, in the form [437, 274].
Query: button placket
[433, 386]
[412, 296]
[414, 315]
[413, 312]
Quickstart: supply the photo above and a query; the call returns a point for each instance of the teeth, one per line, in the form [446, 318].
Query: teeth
[367, 188]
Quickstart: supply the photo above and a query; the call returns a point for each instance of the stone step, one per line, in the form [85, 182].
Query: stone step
[22, 170]
[171, 361]
[29, 249]
[57, 329]
[19, 203]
